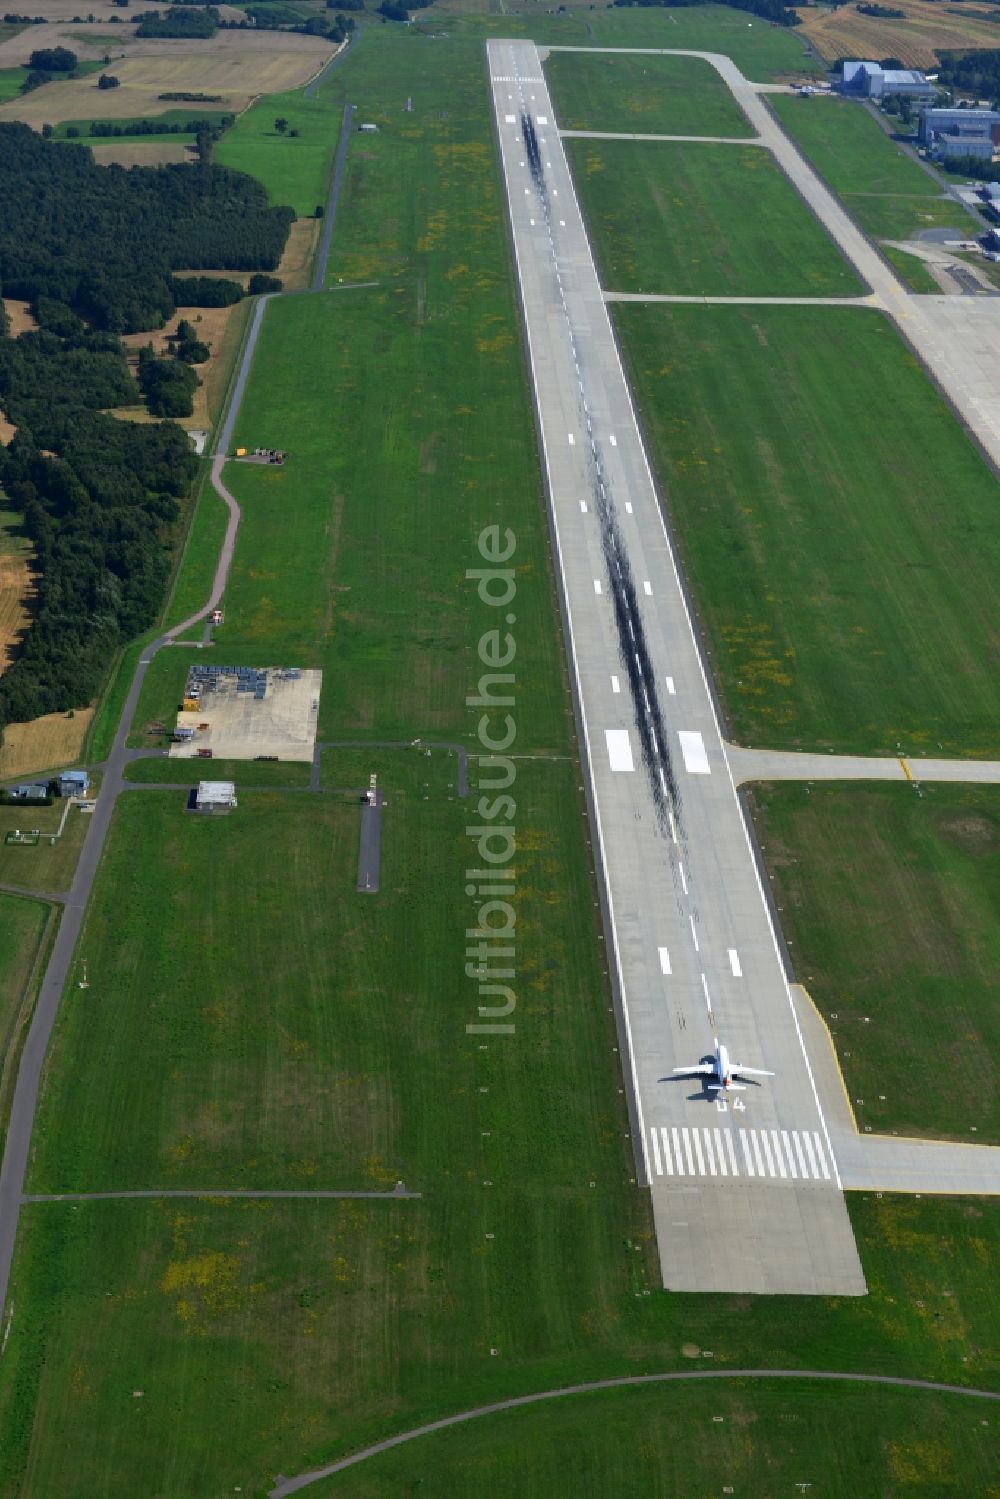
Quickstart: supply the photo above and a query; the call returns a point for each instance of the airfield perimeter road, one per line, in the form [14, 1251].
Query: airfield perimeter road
[745, 1192]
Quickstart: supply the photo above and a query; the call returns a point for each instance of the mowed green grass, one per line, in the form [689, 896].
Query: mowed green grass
[270, 1337]
[251, 1020]
[892, 902]
[641, 95]
[295, 170]
[836, 523]
[699, 219]
[44, 865]
[887, 192]
[23, 928]
[677, 1439]
[760, 50]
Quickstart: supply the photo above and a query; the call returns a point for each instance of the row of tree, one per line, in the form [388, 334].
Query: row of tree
[105, 240]
[976, 73]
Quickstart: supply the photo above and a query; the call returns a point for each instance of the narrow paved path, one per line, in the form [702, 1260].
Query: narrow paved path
[703, 140]
[781, 765]
[154, 1194]
[285, 1486]
[645, 296]
[323, 253]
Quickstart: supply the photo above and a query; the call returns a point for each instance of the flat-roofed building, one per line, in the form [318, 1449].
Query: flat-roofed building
[215, 796]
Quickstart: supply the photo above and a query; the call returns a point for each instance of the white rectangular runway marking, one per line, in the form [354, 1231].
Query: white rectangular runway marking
[616, 686]
[732, 1152]
[562, 223]
[687, 1150]
[821, 1156]
[670, 687]
[720, 1152]
[803, 1168]
[678, 1158]
[696, 1142]
[809, 1152]
[767, 1149]
[694, 752]
[756, 1150]
[788, 1153]
[597, 585]
[613, 440]
[746, 1153]
[583, 507]
[664, 960]
[542, 119]
[684, 883]
[694, 935]
[572, 439]
[710, 1153]
[779, 1158]
[667, 1161]
[628, 507]
[647, 588]
[619, 749]
[734, 963]
[509, 120]
[656, 1152]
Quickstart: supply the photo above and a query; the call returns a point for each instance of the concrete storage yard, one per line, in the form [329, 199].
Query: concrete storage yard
[243, 726]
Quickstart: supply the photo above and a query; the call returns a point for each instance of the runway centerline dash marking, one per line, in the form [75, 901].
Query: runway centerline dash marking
[670, 687]
[664, 959]
[616, 686]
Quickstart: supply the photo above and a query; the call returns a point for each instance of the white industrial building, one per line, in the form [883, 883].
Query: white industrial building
[869, 80]
[960, 132]
[215, 796]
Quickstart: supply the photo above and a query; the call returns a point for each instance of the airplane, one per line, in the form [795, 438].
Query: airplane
[724, 1071]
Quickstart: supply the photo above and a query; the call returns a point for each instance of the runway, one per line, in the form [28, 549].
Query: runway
[746, 1192]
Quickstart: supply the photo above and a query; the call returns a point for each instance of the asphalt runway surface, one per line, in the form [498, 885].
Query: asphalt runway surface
[745, 1190]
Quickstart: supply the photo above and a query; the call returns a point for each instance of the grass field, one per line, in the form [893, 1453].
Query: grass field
[643, 95]
[701, 219]
[916, 37]
[913, 270]
[892, 902]
[679, 1439]
[11, 79]
[42, 866]
[24, 928]
[889, 194]
[245, 772]
[295, 170]
[836, 523]
[263, 1338]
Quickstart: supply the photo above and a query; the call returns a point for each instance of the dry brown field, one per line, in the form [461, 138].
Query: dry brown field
[19, 314]
[43, 744]
[929, 26]
[236, 65]
[138, 153]
[16, 590]
[220, 328]
[296, 262]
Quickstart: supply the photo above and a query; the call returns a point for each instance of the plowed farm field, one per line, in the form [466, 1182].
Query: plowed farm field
[915, 40]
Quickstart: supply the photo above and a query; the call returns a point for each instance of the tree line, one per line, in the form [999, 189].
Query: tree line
[976, 73]
[94, 250]
[771, 10]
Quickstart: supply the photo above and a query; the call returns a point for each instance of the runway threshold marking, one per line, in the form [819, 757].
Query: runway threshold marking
[619, 749]
[694, 752]
[704, 1151]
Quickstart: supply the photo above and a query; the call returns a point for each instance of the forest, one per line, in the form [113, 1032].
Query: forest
[104, 240]
[93, 249]
[976, 73]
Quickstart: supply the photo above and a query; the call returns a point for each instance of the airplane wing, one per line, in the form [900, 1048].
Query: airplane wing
[750, 1071]
[705, 1069]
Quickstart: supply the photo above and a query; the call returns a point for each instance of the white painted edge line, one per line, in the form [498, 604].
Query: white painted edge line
[616, 686]
[694, 752]
[619, 749]
[664, 959]
[647, 587]
[734, 963]
[670, 687]
[704, 676]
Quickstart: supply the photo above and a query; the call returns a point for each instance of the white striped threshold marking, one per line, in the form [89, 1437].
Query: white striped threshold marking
[781, 1155]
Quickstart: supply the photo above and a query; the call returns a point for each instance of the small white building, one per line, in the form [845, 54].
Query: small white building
[215, 796]
[368, 128]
